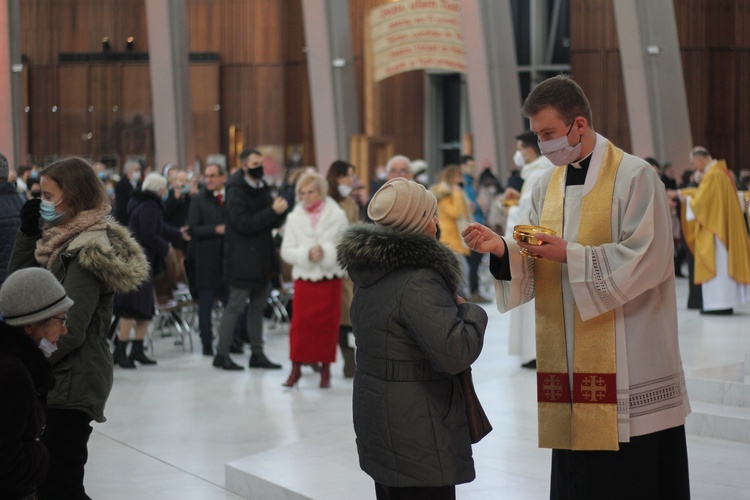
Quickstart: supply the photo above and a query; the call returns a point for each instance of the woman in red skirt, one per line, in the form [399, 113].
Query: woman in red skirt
[313, 230]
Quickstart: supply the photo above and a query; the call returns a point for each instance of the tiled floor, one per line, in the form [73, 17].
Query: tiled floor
[174, 428]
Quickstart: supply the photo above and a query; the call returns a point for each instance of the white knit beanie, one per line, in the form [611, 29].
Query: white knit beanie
[30, 295]
[402, 204]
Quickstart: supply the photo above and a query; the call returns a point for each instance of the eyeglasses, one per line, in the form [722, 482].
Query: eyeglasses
[63, 318]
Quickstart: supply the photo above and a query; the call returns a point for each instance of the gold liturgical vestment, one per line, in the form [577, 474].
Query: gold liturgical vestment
[584, 416]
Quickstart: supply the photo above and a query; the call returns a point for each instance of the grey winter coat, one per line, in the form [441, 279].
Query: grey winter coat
[94, 266]
[412, 338]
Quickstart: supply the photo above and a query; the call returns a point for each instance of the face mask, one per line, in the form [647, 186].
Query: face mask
[559, 152]
[422, 179]
[110, 192]
[255, 173]
[345, 190]
[185, 190]
[49, 214]
[135, 177]
[34, 174]
[165, 197]
[382, 176]
[47, 347]
[518, 159]
[103, 176]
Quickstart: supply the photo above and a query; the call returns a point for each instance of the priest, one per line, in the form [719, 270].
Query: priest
[715, 232]
[611, 393]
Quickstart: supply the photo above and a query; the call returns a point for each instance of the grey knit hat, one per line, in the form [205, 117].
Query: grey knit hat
[31, 295]
[402, 204]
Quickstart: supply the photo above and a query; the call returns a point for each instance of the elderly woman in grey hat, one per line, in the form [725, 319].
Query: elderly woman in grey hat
[414, 334]
[33, 305]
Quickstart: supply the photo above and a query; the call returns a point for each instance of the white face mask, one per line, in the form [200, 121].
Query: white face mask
[135, 177]
[559, 152]
[345, 190]
[422, 179]
[47, 347]
[518, 159]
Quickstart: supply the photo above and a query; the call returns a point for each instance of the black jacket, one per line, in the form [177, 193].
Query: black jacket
[249, 252]
[123, 190]
[412, 338]
[10, 220]
[206, 248]
[25, 378]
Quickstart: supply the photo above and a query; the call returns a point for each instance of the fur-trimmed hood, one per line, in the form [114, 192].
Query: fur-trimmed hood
[368, 252]
[113, 256]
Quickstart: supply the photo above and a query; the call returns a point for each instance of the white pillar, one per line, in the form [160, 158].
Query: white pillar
[12, 138]
[332, 80]
[170, 82]
[492, 77]
[654, 81]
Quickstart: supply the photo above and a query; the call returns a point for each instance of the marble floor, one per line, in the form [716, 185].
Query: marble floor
[185, 430]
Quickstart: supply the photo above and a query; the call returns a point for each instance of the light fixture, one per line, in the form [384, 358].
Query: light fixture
[130, 44]
[105, 44]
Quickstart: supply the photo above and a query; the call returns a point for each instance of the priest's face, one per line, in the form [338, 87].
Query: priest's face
[548, 125]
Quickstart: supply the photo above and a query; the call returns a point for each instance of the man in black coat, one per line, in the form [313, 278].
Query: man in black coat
[130, 180]
[251, 215]
[206, 221]
[10, 218]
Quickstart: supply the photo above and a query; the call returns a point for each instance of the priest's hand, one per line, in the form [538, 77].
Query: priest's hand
[482, 239]
[553, 248]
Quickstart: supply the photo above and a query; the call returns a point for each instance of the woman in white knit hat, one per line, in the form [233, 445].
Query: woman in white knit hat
[414, 334]
[34, 310]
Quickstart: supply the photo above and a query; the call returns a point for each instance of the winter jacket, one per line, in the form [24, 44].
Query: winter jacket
[25, 378]
[206, 247]
[10, 220]
[453, 214]
[412, 338]
[249, 254]
[300, 236]
[91, 268]
[146, 223]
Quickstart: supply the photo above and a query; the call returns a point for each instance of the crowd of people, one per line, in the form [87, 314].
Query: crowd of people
[84, 248]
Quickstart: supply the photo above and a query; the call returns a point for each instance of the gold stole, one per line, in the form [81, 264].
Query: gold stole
[584, 418]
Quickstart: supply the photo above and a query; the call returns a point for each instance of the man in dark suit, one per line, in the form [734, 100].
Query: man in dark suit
[206, 221]
[251, 215]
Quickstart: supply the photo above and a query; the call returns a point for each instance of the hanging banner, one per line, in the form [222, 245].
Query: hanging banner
[416, 34]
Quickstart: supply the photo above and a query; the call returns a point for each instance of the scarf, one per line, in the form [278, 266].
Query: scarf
[314, 211]
[582, 417]
[56, 238]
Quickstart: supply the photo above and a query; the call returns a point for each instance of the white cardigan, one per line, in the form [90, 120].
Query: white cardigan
[300, 236]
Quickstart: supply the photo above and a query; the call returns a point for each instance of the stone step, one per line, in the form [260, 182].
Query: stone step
[730, 391]
[721, 421]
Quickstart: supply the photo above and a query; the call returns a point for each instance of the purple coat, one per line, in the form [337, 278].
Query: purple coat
[146, 222]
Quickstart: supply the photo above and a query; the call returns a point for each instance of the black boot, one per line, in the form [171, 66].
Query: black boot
[120, 357]
[137, 354]
[224, 362]
[259, 360]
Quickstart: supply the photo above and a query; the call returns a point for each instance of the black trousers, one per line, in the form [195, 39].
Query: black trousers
[650, 467]
[66, 436]
[475, 260]
[383, 492]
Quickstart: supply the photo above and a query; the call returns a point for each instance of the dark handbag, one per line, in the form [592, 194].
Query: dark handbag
[479, 424]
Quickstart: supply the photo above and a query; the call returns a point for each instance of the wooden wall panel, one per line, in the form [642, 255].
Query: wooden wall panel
[73, 115]
[269, 103]
[402, 112]
[298, 112]
[205, 96]
[723, 112]
[133, 112]
[104, 96]
[719, 23]
[43, 122]
[741, 23]
[204, 26]
[742, 123]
